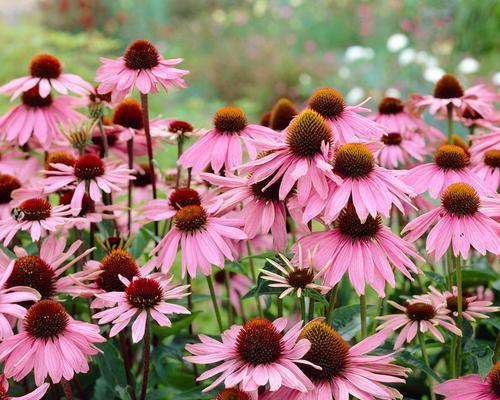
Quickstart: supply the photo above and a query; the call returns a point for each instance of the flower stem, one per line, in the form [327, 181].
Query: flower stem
[252, 272]
[180, 149]
[427, 363]
[214, 302]
[126, 363]
[332, 302]
[227, 283]
[190, 327]
[104, 139]
[280, 306]
[310, 316]
[458, 267]
[362, 314]
[450, 122]
[302, 308]
[130, 153]
[67, 389]
[146, 356]
[449, 265]
[149, 143]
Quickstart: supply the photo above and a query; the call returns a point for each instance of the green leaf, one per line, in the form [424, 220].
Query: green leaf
[315, 295]
[178, 326]
[436, 278]
[345, 320]
[262, 287]
[196, 394]
[476, 277]
[139, 244]
[111, 369]
[481, 358]
[409, 360]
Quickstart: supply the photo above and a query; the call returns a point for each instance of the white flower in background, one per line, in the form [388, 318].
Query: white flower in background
[397, 42]
[305, 79]
[344, 72]
[393, 92]
[426, 59]
[468, 65]
[433, 74]
[407, 56]
[355, 53]
[355, 95]
[496, 79]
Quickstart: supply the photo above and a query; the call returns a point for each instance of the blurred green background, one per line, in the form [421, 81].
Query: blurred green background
[251, 52]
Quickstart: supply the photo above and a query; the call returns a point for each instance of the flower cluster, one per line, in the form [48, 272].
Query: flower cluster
[317, 219]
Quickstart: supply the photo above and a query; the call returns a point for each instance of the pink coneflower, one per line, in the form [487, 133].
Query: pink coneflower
[239, 285]
[37, 117]
[472, 119]
[471, 307]
[220, 147]
[44, 272]
[483, 143]
[345, 121]
[301, 158]
[297, 276]
[283, 112]
[204, 238]
[472, 387]
[253, 355]
[36, 394]
[372, 189]
[393, 116]
[178, 129]
[449, 91]
[35, 215]
[346, 371]
[13, 160]
[8, 184]
[488, 169]
[365, 250]
[89, 170]
[460, 223]
[419, 315]
[46, 72]
[400, 150]
[49, 329]
[450, 165]
[10, 297]
[143, 296]
[262, 210]
[141, 65]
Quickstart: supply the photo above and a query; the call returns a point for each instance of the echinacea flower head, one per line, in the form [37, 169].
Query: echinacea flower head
[451, 165]
[253, 355]
[448, 91]
[301, 157]
[295, 276]
[472, 387]
[10, 297]
[221, 147]
[460, 223]
[49, 329]
[35, 215]
[204, 238]
[79, 134]
[89, 169]
[8, 184]
[39, 118]
[233, 394]
[488, 169]
[483, 143]
[44, 272]
[365, 250]
[282, 114]
[345, 121]
[46, 72]
[36, 394]
[262, 210]
[142, 296]
[421, 314]
[345, 371]
[179, 129]
[401, 150]
[141, 66]
[472, 307]
[372, 189]
[393, 116]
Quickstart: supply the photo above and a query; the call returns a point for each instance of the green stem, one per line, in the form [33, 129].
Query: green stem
[497, 349]
[427, 363]
[453, 356]
[331, 303]
[449, 267]
[190, 327]
[180, 148]
[130, 152]
[362, 310]
[450, 122]
[280, 306]
[214, 302]
[302, 308]
[458, 267]
[378, 308]
[227, 283]
[311, 309]
[252, 273]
